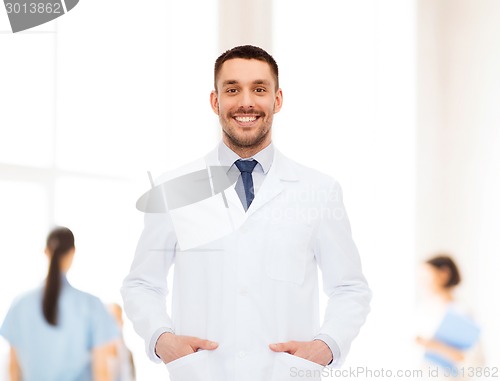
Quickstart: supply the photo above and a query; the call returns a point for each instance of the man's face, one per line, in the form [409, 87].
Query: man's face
[246, 100]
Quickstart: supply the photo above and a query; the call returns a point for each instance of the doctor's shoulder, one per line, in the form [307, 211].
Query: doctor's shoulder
[20, 317]
[99, 320]
[87, 301]
[27, 300]
[312, 176]
[184, 169]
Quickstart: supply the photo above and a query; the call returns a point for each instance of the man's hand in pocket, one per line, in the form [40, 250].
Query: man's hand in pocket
[316, 351]
[170, 347]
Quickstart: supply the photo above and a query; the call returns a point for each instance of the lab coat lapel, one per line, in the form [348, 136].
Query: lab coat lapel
[280, 173]
[275, 182]
[212, 159]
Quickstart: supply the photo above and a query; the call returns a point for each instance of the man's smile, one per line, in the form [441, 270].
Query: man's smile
[246, 120]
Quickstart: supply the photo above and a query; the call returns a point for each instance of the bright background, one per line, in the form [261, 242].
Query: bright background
[397, 99]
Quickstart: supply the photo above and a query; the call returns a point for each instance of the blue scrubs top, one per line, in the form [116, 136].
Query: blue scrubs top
[61, 352]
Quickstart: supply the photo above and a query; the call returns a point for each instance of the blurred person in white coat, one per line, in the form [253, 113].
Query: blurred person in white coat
[245, 288]
[441, 277]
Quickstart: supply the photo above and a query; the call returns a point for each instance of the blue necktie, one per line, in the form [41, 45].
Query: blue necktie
[246, 167]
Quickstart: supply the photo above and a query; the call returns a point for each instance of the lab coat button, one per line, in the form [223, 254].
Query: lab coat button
[241, 354]
[243, 291]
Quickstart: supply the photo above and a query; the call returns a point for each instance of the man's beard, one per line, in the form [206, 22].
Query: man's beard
[245, 141]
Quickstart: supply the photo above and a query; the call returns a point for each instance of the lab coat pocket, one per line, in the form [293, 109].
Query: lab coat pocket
[193, 367]
[288, 367]
[287, 251]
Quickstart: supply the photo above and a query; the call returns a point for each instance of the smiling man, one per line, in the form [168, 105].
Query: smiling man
[246, 97]
[245, 305]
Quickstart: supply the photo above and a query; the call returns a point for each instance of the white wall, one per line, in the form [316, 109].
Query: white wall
[458, 140]
[349, 84]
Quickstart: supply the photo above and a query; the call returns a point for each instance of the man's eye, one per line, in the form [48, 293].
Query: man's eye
[231, 91]
[260, 90]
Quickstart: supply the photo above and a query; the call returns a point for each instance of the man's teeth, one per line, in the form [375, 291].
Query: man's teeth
[245, 119]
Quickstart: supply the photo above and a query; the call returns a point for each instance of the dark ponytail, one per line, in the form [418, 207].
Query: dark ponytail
[59, 242]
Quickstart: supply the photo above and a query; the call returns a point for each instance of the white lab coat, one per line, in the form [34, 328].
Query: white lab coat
[255, 284]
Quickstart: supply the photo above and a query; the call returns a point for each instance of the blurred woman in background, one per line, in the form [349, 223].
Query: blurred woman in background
[56, 332]
[449, 333]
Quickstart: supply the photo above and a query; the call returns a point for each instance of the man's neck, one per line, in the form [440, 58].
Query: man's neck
[245, 152]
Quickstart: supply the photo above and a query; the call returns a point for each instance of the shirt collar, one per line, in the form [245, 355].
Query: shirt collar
[264, 157]
[64, 280]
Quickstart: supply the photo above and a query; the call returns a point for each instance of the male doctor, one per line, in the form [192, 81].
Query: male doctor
[245, 289]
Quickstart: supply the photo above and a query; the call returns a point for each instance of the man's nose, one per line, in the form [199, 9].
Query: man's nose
[247, 99]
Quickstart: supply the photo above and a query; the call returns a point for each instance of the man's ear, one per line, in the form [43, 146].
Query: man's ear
[214, 101]
[278, 102]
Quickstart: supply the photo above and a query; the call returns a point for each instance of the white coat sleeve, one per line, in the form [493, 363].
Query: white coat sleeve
[343, 281]
[144, 290]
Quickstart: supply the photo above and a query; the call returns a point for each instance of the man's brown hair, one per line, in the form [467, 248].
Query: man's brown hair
[248, 52]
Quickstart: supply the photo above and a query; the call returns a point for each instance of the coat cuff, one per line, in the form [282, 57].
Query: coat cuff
[332, 344]
[152, 343]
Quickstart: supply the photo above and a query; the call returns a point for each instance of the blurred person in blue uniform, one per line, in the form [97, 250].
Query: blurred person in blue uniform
[56, 332]
[449, 333]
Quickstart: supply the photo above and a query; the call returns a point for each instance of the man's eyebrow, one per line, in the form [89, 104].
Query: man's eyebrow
[261, 82]
[230, 82]
[256, 82]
